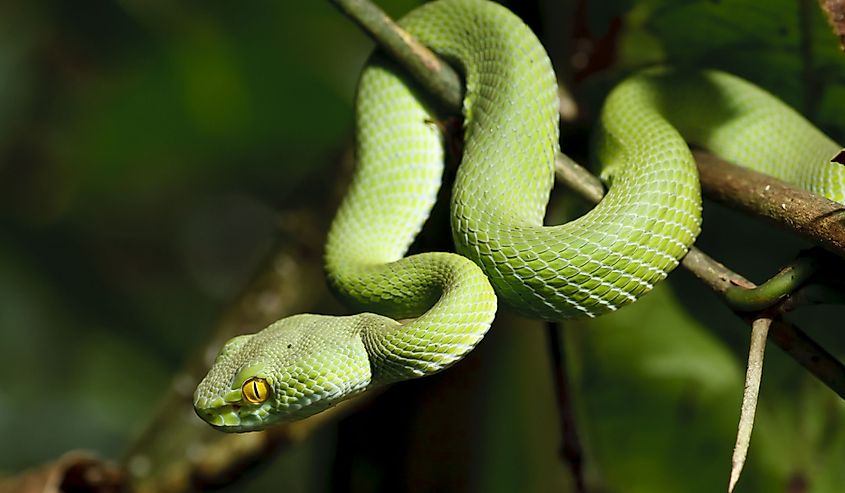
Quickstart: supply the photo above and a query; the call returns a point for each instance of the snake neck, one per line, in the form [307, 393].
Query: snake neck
[444, 302]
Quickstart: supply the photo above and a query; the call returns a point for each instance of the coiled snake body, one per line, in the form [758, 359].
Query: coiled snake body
[595, 264]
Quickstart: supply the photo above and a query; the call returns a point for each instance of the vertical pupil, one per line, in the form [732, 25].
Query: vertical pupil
[255, 390]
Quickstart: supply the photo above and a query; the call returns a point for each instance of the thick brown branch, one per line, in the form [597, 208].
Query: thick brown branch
[815, 218]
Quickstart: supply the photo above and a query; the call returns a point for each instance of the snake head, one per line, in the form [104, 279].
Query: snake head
[296, 367]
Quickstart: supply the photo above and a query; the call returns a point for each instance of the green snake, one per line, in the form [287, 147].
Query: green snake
[445, 302]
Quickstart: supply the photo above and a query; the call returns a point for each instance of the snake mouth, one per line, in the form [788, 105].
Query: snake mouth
[233, 417]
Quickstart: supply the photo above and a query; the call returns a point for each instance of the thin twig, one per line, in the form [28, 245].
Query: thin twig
[571, 451]
[578, 178]
[435, 75]
[781, 285]
[753, 376]
[712, 272]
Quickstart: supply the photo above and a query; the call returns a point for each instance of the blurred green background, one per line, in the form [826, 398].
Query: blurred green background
[147, 149]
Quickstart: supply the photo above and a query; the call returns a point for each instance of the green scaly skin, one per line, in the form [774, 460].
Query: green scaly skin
[592, 265]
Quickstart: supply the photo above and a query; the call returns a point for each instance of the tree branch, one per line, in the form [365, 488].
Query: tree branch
[804, 213]
[435, 75]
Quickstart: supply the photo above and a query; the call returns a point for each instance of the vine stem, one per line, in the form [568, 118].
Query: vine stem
[571, 450]
[753, 376]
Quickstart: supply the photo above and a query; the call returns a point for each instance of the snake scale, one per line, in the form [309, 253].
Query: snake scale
[595, 264]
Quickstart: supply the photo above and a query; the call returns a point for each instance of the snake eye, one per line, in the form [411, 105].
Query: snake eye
[256, 390]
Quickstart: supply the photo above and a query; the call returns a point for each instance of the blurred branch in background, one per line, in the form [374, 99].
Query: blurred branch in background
[571, 450]
[73, 471]
[179, 452]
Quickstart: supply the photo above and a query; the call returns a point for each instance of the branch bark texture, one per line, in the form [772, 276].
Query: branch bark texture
[815, 218]
[435, 75]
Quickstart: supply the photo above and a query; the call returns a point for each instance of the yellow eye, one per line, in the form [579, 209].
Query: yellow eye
[256, 390]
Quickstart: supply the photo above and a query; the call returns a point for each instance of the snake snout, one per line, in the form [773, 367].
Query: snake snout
[232, 417]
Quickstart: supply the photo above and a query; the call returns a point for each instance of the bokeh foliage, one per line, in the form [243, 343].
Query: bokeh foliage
[145, 148]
